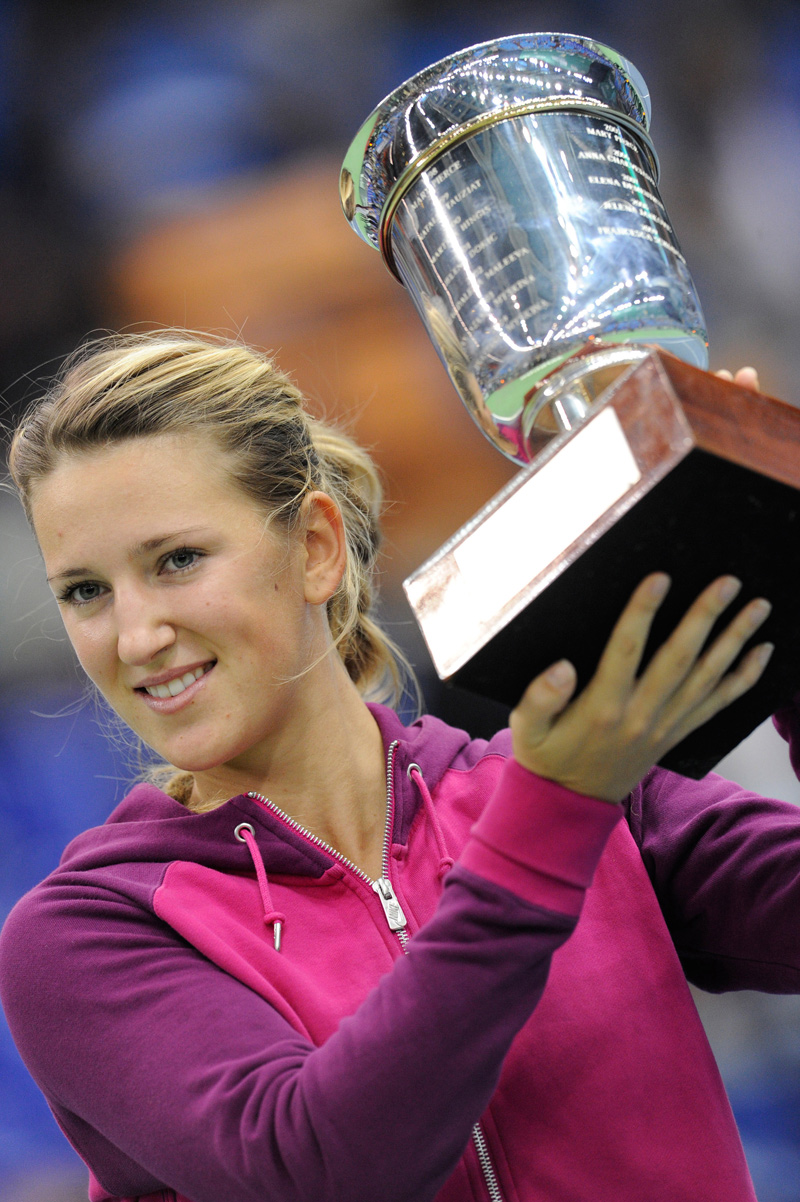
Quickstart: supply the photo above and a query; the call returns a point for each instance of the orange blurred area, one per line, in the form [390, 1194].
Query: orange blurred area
[275, 263]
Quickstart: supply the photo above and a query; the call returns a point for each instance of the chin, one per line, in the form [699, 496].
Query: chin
[196, 763]
[203, 758]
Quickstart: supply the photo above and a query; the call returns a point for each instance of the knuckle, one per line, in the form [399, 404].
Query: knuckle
[711, 603]
[662, 733]
[516, 722]
[683, 659]
[737, 683]
[727, 691]
[638, 727]
[607, 715]
[628, 645]
[706, 676]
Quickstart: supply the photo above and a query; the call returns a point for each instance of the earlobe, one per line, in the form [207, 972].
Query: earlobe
[325, 547]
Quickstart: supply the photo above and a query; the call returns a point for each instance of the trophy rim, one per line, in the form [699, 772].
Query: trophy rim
[461, 133]
[355, 204]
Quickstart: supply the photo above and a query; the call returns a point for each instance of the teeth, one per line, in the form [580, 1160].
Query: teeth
[173, 687]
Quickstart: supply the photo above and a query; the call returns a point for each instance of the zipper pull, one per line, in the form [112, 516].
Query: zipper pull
[391, 906]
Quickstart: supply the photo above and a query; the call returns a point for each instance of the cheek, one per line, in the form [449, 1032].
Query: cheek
[94, 647]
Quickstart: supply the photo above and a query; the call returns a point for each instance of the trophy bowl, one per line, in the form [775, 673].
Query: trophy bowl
[513, 189]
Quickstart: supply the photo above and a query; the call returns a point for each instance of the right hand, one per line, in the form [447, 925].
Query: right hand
[602, 742]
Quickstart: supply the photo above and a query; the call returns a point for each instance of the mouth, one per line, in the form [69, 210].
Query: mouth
[178, 684]
[173, 694]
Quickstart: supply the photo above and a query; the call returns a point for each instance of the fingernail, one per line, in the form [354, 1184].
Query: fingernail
[728, 589]
[759, 611]
[659, 586]
[560, 674]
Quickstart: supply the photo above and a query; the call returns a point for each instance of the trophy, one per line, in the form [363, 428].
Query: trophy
[512, 188]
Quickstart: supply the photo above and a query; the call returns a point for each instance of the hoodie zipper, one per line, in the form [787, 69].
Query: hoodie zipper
[392, 910]
[395, 919]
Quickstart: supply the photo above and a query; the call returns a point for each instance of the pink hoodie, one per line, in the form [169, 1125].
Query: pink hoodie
[538, 985]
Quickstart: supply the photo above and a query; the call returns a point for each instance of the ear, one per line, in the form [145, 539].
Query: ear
[325, 547]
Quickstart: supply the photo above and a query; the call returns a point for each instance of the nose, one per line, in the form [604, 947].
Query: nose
[143, 629]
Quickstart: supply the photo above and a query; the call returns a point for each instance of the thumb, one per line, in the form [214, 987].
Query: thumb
[541, 703]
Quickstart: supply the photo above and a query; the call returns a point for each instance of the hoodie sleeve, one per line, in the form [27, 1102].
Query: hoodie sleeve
[164, 1070]
[725, 866]
[787, 724]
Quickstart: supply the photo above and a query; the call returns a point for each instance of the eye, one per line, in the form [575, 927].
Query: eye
[181, 560]
[81, 594]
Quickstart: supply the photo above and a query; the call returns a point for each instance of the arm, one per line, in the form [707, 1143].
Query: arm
[725, 865]
[158, 1054]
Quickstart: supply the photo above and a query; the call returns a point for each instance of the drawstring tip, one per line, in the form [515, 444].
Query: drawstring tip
[245, 833]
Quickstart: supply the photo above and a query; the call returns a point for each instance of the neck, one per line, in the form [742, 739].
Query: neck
[324, 767]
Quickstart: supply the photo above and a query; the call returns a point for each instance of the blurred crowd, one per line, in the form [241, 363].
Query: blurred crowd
[175, 162]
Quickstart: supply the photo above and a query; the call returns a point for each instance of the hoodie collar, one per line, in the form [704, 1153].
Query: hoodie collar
[150, 826]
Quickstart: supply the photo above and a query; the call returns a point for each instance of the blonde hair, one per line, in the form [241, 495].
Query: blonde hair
[120, 387]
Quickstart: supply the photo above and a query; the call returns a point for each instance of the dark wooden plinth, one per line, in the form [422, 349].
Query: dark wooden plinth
[718, 493]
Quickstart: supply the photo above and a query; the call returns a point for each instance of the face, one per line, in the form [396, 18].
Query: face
[188, 614]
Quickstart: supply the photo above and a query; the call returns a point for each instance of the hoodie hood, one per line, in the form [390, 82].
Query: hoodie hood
[148, 826]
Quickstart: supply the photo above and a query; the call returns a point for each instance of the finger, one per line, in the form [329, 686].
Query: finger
[713, 665]
[747, 377]
[622, 655]
[676, 657]
[541, 703]
[731, 687]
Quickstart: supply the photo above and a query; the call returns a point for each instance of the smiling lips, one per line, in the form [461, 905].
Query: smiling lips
[172, 688]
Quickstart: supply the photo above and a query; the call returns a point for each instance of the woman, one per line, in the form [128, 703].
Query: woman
[312, 965]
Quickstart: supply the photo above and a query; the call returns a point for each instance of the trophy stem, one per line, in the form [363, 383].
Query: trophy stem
[564, 399]
[570, 410]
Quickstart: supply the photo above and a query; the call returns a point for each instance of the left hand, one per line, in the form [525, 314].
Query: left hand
[746, 377]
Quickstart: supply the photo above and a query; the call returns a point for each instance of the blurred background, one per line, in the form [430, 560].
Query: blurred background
[177, 163]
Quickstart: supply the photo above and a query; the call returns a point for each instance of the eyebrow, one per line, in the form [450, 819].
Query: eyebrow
[137, 550]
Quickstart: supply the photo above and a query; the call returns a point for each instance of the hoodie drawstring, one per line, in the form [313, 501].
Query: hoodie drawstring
[245, 833]
[414, 772]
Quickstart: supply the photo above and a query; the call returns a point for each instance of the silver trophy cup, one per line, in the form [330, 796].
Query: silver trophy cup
[513, 189]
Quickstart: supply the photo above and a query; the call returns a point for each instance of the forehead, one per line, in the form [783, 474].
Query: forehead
[116, 495]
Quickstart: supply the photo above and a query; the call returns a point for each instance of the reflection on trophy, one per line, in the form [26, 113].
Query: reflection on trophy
[513, 190]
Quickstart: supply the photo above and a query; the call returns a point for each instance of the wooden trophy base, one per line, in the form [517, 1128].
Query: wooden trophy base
[677, 471]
